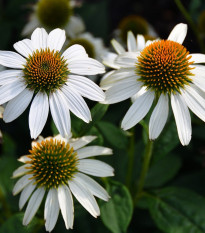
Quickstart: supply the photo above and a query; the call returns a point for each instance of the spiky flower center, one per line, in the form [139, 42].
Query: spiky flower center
[164, 67]
[88, 46]
[45, 71]
[54, 13]
[52, 163]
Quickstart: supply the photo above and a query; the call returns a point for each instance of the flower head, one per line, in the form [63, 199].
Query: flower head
[163, 70]
[48, 75]
[55, 167]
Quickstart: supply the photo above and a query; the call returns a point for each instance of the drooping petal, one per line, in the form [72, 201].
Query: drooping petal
[33, 205]
[182, 118]
[8, 76]
[199, 76]
[24, 47]
[38, 114]
[56, 39]
[24, 159]
[109, 60]
[60, 112]
[95, 168]
[87, 66]
[11, 90]
[127, 59]
[17, 105]
[75, 52]
[80, 142]
[12, 60]
[96, 189]
[197, 58]
[90, 151]
[159, 117]
[86, 87]
[85, 198]
[131, 42]
[75, 26]
[122, 90]
[25, 194]
[178, 33]
[51, 210]
[76, 104]
[66, 205]
[20, 171]
[117, 46]
[138, 110]
[39, 38]
[21, 183]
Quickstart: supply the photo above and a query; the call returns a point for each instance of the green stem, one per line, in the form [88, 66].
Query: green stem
[145, 168]
[130, 159]
[191, 23]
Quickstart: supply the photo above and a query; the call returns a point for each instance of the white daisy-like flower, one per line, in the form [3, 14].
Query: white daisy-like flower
[55, 167]
[164, 70]
[52, 78]
[134, 44]
[51, 14]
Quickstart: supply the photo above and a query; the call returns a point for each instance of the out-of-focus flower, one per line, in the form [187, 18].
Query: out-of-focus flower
[50, 77]
[55, 167]
[165, 70]
[52, 14]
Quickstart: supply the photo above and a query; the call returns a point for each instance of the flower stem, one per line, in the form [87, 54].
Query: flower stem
[130, 159]
[145, 168]
[191, 23]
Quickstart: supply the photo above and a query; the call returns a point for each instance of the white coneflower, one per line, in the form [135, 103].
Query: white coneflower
[52, 14]
[163, 69]
[134, 44]
[50, 77]
[55, 167]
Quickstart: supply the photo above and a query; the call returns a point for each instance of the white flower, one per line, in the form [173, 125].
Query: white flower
[50, 77]
[163, 70]
[51, 14]
[56, 167]
[109, 59]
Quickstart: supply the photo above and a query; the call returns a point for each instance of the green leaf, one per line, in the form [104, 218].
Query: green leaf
[162, 171]
[116, 214]
[14, 224]
[177, 210]
[114, 135]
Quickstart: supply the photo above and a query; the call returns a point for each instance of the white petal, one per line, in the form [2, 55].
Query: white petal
[90, 151]
[33, 205]
[87, 66]
[117, 46]
[25, 194]
[21, 183]
[24, 47]
[8, 76]
[138, 110]
[128, 59]
[85, 198]
[194, 101]
[197, 58]
[32, 24]
[95, 168]
[60, 112]
[66, 205]
[51, 210]
[11, 90]
[76, 104]
[96, 189]
[80, 142]
[122, 90]
[39, 38]
[159, 117]
[140, 42]
[56, 39]
[17, 105]
[75, 26]
[24, 159]
[182, 118]
[86, 87]
[178, 33]
[131, 42]
[199, 77]
[75, 52]
[109, 60]
[12, 59]
[38, 114]
[20, 171]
